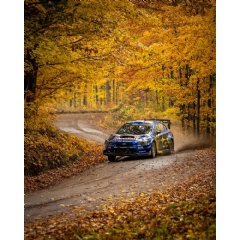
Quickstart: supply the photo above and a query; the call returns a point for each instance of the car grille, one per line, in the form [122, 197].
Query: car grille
[124, 151]
[124, 144]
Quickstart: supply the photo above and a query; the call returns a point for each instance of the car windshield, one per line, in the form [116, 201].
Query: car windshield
[131, 128]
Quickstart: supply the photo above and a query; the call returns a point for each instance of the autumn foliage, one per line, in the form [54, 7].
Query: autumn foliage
[139, 59]
[46, 148]
[185, 210]
[106, 54]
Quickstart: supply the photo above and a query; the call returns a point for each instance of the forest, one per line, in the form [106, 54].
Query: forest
[133, 58]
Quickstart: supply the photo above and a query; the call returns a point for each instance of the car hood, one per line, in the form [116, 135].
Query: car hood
[128, 137]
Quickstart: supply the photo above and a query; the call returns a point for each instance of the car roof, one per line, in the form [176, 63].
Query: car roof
[148, 121]
[167, 121]
[140, 121]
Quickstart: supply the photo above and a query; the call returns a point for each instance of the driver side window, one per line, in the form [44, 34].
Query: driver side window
[160, 127]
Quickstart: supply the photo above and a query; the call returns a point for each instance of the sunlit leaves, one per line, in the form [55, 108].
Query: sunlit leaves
[162, 49]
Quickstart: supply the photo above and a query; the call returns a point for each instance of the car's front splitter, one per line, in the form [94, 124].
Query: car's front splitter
[126, 152]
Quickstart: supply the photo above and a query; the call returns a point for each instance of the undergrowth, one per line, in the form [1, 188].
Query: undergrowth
[45, 147]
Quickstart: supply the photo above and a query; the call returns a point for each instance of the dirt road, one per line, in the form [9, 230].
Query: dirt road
[107, 181]
[83, 125]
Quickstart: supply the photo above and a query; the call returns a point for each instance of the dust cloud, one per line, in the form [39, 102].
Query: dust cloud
[188, 141]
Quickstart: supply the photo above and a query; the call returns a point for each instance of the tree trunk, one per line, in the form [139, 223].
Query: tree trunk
[30, 79]
[113, 91]
[96, 94]
[157, 97]
[108, 94]
[210, 104]
[194, 117]
[75, 100]
[198, 108]
[163, 103]
[85, 100]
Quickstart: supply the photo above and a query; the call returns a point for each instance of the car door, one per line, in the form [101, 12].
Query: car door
[161, 137]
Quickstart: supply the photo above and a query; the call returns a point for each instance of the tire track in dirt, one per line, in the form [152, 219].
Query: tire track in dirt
[106, 181]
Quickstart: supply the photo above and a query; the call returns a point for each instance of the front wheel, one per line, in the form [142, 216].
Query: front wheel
[153, 150]
[111, 158]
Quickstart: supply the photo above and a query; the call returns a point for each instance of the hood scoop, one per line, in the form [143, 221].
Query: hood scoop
[127, 136]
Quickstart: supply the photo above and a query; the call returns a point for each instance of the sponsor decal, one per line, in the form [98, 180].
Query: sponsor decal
[124, 139]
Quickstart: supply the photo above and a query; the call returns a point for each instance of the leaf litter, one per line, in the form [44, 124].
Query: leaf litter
[184, 209]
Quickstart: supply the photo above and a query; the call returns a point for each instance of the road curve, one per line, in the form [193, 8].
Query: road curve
[106, 181]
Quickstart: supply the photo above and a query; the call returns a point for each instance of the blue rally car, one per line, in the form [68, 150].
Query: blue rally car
[140, 138]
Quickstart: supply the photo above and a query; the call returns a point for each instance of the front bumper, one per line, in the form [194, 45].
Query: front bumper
[114, 151]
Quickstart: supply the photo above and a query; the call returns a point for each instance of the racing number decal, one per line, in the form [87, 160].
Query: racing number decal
[165, 142]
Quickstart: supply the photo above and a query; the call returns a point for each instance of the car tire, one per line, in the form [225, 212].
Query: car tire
[171, 147]
[111, 158]
[153, 150]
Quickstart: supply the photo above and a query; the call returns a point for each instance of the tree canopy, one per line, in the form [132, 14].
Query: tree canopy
[158, 55]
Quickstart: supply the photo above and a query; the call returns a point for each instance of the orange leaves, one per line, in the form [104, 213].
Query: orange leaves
[87, 160]
[46, 150]
[187, 210]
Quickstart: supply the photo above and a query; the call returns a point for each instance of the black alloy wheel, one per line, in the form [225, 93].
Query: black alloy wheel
[171, 147]
[153, 150]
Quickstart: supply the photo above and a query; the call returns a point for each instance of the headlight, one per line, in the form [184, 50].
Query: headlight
[108, 142]
[144, 143]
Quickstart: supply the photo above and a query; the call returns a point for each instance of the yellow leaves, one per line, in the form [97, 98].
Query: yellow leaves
[46, 149]
[76, 208]
[184, 211]
[111, 210]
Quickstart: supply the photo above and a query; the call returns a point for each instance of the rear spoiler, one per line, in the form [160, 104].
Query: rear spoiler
[167, 121]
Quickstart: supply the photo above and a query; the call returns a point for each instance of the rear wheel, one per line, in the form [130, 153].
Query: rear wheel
[171, 147]
[153, 150]
[111, 158]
